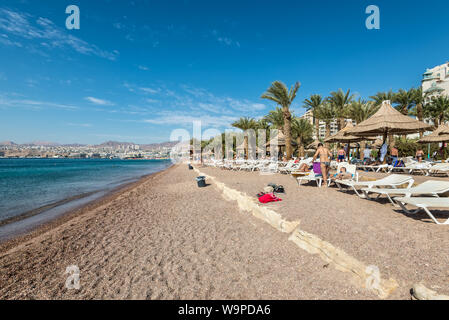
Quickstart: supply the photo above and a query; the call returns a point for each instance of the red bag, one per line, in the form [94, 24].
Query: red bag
[269, 197]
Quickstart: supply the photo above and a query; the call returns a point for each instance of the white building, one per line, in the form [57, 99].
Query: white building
[435, 81]
[322, 127]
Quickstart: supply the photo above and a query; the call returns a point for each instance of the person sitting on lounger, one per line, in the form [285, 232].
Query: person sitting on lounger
[342, 175]
[304, 168]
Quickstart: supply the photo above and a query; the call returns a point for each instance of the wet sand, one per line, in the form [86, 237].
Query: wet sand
[165, 238]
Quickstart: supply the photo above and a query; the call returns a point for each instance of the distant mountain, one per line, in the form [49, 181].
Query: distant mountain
[42, 143]
[159, 145]
[73, 145]
[114, 144]
[107, 144]
[7, 143]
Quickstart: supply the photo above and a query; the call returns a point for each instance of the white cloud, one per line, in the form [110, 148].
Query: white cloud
[99, 102]
[83, 125]
[179, 119]
[45, 33]
[33, 104]
[144, 68]
[150, 90]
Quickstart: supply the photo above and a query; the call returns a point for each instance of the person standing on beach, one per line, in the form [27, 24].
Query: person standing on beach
[394, 155]
[367, 155]
[419, 155]
[341, 154]
[325, 156]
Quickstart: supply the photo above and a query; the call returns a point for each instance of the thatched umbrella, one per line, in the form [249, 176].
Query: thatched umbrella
[441, 134]
[343, 136]
[280, 140]
[314, 145]
[443, 129]
[377, 144]
[388, 121]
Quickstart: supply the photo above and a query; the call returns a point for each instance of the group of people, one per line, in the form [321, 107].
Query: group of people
[325, 157]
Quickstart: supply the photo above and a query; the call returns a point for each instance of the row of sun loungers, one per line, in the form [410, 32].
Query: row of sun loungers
[264, 166]
[423, 168]
[389, 187]
[397, 188]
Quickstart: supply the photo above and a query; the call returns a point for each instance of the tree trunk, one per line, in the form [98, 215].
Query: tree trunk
[362, 149]
[301, 152]
[288, 133]
[391, 141]
[328, 132]
[317, 128]
[245, 147]
[341, 123]
[419, 112]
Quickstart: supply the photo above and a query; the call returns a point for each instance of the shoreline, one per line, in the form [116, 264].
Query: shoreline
[68, 214]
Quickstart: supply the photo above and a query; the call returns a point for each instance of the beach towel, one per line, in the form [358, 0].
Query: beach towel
[269, 197]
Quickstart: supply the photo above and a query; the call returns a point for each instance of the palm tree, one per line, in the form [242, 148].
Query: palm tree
[302, 130]
[326, 113]
[438, 109]
[360, 111]
[244, 124]
[380, 97]
[279, 93]
[404, 100]
[313, 103]
[418, 99]
[340, 100]
[275, 119]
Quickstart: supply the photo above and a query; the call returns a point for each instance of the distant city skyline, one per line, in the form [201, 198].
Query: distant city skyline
[137, 70]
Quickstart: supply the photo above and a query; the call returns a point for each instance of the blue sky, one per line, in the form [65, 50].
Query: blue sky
[136, 70]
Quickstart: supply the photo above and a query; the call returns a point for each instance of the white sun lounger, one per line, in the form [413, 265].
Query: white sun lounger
[310, 176]
[424, 204]
[291, 165]
[439, 168]
[392, 181]
[378, 168]
[432, 188]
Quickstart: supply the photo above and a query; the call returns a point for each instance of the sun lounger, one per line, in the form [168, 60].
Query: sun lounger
[377, 168]
[291, 165]
[350, 169]
[439, 168]
[432, 188]
[392, 181]
[310, 176]
[424, 204]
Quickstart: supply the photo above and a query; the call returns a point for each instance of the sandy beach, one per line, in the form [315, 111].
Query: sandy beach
[165, 238]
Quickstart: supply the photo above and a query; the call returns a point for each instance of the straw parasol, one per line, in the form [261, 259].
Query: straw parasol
[388, 121]
[377, 144]
[441, 134]
[314, 145]
[280, 140]
[342, 136]
[444, 129]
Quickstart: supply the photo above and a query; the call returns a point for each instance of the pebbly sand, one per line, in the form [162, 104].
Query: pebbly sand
[164, 238]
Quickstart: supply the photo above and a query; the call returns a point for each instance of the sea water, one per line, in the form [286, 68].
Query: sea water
[29, 184]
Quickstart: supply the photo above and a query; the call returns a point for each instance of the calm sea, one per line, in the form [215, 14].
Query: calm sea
[29, 184]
